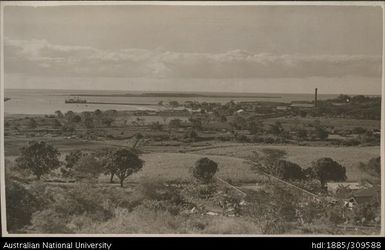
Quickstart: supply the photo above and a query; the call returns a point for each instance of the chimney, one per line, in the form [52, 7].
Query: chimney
[315, 98]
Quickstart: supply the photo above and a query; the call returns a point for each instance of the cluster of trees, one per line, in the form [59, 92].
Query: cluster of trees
[325, 169]
[357, 107]
[41, 158]
[86, 118]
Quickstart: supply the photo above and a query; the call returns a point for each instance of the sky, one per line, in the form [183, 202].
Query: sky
[277, 49]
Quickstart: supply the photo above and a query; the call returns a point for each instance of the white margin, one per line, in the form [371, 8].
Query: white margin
[192, 3]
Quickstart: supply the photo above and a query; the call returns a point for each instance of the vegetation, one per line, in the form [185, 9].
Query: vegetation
[205, 169]
[326, 169]
[39, 158]
[88, 167]
[162, 197]
[124, 163]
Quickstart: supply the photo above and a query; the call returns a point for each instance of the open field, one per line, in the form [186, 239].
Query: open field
[349, 157]
[176, 166]
[339, 123]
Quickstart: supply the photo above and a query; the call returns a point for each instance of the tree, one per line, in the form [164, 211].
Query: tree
[126, 162]
[175, 123]
[326, 169]
[288, 170]
[276, 128]
[156, 126]
[98, 113]
[59, 114]
[70, 160]
[321, 132]
[107, 121]
[89, 122]
[255, 126]
[138, 137]
[21, 204]
[374, 166]
[174, 104]
[205, 169]
[38, 157]
[191, 134]
[109, 168]
[371, 171]
[69, 115]
[359, 130]
[56, 124]
[76, 118]
[239, 122]
[196, 123]
[301, 134]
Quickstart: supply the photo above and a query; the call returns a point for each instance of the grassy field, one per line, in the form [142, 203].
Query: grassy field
[176, 167]
[349, 157]
[166, 163]
[338, 123]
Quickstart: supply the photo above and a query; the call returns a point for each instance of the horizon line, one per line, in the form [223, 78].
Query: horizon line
[192, 91]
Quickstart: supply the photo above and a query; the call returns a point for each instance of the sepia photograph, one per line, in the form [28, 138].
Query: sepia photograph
[192, 118]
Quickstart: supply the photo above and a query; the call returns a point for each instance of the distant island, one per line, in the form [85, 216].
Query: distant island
[170, 94]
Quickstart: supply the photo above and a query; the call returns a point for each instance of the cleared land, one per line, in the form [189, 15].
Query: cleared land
[349, 157]
[176, 166]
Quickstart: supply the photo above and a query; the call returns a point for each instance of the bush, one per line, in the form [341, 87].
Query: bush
[288, 170]
[243, 138]
[50, 222]
[88, 167]
[20, 205]
[205, 169]
[359, 130]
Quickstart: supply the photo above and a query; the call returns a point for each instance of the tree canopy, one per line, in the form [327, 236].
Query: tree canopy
[205, 169]
[38, 157]
[124, 163]
[326, 169]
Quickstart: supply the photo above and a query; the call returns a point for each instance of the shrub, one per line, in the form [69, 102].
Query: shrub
[243, 138]
[288, 170]
[205, 169]
[49, 221]
[20, 205]
[87, 167]
[359, 130]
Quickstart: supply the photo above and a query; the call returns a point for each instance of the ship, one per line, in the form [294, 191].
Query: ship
[75, 100]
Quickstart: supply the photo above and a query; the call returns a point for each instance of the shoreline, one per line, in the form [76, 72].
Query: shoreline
[173, 95]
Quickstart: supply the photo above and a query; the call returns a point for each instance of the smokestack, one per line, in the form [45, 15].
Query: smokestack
[315, 97]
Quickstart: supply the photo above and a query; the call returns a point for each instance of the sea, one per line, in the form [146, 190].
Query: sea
[47, 101]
